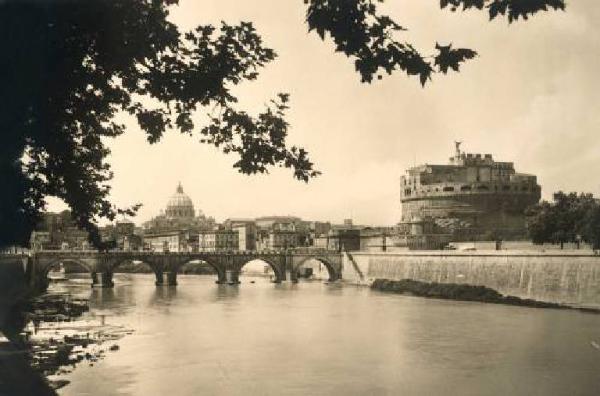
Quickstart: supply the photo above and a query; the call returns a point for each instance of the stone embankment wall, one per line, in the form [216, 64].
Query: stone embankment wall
[564, 277]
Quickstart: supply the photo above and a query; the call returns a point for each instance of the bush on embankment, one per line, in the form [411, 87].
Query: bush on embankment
[461, 292]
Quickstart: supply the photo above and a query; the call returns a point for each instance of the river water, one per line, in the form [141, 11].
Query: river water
[314, 338]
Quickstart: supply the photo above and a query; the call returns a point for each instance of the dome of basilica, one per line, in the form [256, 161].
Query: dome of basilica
[180, 205]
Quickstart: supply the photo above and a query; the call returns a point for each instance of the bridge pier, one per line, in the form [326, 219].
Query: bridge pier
[221, 278]
[232, 277]
[166, 278]
[279, 279]
[102, 279]
[292, 269]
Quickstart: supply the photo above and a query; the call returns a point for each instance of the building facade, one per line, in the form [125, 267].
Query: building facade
[122, 236]
[58, 231]
[246, 236]
[282, 232]
[219, 240]
[347, 239]
[171, 241]
[247, 232]
[281, 240]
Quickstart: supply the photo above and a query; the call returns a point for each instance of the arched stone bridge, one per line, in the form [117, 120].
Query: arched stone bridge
[228, 265]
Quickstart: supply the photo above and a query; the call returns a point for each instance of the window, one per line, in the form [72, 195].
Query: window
[465, 188]
[448, 188]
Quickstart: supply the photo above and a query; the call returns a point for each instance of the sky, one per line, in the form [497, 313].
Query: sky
[530, 97]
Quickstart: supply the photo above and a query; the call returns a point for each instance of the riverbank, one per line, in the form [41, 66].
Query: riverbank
[570, 278]
[45, 338]
[462, 292]
[345, 340]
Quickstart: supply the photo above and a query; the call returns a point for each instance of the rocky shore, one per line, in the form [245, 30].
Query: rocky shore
[462, 292]
[45, 338]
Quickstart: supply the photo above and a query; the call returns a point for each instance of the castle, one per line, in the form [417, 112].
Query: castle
[472, 197]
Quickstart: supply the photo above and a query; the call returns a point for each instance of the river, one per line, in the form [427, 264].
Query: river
[313, 338]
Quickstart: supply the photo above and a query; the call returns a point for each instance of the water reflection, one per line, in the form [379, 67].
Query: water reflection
[13, 319]
[101, 296]
[320, 339]
[113, 301]
[163, 297]
[17, 377]
[223, 292]
[47, 336]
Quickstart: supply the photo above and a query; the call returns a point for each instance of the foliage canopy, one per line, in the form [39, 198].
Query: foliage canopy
[569, 218]
[70, 67]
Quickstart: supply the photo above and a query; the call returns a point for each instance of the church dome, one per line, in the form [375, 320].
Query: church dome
[180, 205]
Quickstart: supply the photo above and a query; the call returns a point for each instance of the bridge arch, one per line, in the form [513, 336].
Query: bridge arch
[331, 270]
[221, 274]
[278, 270]
[117, 264]
[154, 268]
[56, 263]
[43, 279]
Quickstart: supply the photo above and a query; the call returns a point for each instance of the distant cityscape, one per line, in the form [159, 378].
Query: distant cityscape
[471, 199]
[180, 228]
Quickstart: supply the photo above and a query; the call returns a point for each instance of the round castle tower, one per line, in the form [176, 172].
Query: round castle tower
[472, 195]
